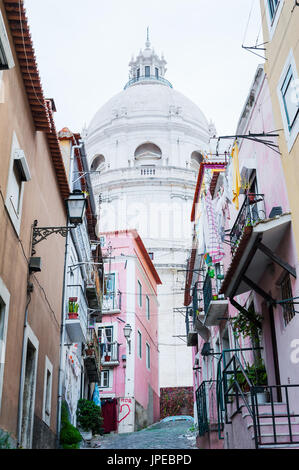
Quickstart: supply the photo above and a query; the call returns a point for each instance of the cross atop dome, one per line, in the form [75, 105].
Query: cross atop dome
[148, 67]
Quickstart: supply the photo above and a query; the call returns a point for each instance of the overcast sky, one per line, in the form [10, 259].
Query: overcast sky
[83, 48]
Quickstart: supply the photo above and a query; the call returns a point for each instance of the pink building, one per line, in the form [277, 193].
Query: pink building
[129, 388]
[241, 307]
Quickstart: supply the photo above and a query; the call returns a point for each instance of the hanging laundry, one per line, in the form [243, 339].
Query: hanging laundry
[214, 245]
[96, 395]
[236, 175]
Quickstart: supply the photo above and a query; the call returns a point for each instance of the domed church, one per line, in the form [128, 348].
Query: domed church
[147, 143]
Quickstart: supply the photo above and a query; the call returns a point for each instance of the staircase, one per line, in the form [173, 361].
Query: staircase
[275, 428]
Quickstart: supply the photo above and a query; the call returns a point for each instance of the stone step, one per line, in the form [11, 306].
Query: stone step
[280, 446]
[268, 438]
[280, 429]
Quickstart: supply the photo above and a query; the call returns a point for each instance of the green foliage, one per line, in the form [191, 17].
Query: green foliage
[70, 437]
[247, 325]
[4, 440]
[89, 416]
[256, 373]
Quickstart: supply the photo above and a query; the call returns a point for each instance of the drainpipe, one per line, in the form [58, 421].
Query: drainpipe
[62, 339]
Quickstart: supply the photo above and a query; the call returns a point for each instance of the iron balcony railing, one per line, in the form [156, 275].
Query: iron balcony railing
[206, 406]
[150, 78]
[274, 419]
[251, 212]
[109, 352]
[111, 301]
[211, 287]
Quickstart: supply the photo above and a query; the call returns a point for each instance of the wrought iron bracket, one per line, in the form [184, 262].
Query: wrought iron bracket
[41, 233]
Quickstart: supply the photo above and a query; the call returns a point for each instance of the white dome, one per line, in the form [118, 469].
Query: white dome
[152, 100]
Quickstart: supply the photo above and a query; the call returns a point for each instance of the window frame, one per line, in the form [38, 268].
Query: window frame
[148, 355]
[273, 20]
[18, 163]
[5, 48]
[147, 68]
[291, 133]
[139, 344]
[102, 380]
[47, 398]
[286, 289]
[148, 307]
[4, 307]
[139, 285]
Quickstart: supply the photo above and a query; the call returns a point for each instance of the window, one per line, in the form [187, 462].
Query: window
[286, 293]
[151, 255]
[139, 294]
[273, 4]
[148, 356]
[139, 344]
[147, 71]
[104, 379]
[138, 73]
[109, 291]
[105, 338]
[47, 392]
[4, 309]
[157, 72]
[18, 174]
[290, 98]
[147, 302]
[6, 58]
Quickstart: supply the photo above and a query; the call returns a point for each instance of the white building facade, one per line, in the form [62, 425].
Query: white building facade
[146, 143]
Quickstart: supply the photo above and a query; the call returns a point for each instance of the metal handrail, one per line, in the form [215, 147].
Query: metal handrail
[222, 389]
[249, 214]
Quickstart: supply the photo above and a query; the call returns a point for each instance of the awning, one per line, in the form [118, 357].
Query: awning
[254, 255]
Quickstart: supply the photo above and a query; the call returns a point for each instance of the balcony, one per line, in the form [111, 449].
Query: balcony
[215, 305]
[194, 327]
[92, 357]
[111, 303]
[206, 405]
[93, 291]
[110, 357]
[76, 314]
[252, 211]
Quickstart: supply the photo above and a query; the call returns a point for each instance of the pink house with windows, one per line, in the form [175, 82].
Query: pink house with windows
[241, 314]
[128, 334]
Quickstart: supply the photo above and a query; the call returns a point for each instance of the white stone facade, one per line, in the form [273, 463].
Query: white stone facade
[147, 143]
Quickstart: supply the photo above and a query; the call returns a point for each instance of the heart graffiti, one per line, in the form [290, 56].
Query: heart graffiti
[127, 414]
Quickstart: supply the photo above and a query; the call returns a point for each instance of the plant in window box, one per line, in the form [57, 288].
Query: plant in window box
[73, 308]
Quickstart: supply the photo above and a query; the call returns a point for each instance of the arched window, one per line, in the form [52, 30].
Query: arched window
[98, 163]
[196, 159]
[147, 154]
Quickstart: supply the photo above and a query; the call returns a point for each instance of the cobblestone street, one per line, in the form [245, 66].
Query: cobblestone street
[163, 435]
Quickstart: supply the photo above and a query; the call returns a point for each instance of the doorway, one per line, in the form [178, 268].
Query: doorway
[28, 396]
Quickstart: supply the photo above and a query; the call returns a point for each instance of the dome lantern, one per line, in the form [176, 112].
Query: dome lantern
[148, 67]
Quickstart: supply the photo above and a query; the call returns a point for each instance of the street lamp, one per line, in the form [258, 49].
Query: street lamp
[75, 206]
[127, 333]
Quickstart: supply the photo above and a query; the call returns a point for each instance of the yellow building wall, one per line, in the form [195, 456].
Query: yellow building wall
[284, 39]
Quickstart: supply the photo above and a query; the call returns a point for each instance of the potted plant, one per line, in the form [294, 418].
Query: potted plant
[89, 350]
[107, 357]
[73, 308]
[89, 418]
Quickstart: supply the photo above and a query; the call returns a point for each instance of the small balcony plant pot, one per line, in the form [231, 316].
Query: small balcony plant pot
[251, 197]
[73, 316]
[107, 358]
[215, 297]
